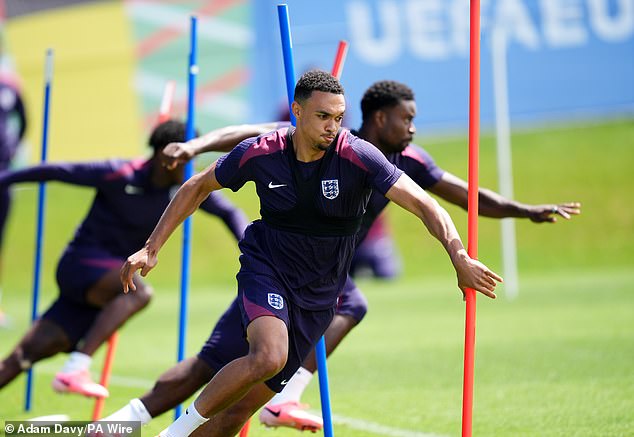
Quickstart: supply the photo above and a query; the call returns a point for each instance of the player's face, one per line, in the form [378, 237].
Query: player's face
[397, 129]
[320, 117]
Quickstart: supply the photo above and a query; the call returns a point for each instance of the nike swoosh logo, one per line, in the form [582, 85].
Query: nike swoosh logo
[272, 185]
[284, 382]
[275, 413]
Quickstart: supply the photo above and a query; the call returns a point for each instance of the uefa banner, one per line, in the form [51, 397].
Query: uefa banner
[565, 59]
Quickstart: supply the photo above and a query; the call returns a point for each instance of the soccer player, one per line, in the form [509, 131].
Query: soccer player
[130, 198]
[313, 183]
[12, 129]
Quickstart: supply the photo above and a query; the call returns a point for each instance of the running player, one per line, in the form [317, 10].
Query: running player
[91, 304]
[313, 183]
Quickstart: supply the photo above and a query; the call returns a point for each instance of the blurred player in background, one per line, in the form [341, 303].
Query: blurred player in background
[130, 198]
[12, 129]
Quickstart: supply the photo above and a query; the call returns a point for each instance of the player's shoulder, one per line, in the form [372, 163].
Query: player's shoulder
[121, 168]
[417, 154]
[263, 145]
[356, 150]
[271, 142]
[350, 142]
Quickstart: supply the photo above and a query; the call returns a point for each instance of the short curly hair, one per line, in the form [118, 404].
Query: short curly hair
[316, 80]
[384, 93]
[170, 131]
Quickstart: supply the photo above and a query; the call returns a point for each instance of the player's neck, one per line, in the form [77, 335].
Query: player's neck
[304, 151]
[160, 176]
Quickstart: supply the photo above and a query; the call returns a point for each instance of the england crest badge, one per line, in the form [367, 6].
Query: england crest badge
[276, 301]
[330, 188]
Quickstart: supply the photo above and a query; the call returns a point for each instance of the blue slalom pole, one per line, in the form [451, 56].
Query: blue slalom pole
[189, 170]
[287, 53]
[324, 391]
[41, 206]
[320, 352]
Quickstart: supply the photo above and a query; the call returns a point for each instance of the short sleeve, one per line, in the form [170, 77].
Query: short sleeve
[382, 174]
[232, 171]
[420, 166]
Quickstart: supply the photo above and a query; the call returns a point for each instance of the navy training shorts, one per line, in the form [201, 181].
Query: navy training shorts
[260, 295]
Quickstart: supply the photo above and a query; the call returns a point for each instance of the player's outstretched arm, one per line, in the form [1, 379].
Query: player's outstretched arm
[185, 202]
[218, 140]
[471, 273]
[491, 204]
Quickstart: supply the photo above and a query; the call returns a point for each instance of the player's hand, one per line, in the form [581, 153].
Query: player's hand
[174, 154]
[549, 213]
[142, 260]
[473, 274]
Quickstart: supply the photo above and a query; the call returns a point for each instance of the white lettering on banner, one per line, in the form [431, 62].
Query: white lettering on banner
[428, 29]
[563, 23]
[375, 51]
[513, 17]
[383, 30]
[616, 28]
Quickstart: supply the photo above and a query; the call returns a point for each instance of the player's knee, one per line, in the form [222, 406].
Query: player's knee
[266, 362]
[16, 362]
[143, 295]
[360, 309]
[25, 355]
[9, 369]
[355, 310]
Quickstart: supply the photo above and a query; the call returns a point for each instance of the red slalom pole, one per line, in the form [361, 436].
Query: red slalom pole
[340, 58]
[164, 115]
[472, 247]
[166, 102]
[105, 374]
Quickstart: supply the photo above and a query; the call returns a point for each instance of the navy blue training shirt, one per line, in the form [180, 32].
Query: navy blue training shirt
[310, 267]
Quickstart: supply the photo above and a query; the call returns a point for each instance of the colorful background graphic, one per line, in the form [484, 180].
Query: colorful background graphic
[94, 111]
[112, 60]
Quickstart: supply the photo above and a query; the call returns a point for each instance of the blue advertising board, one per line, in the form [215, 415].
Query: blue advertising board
[565, 58]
